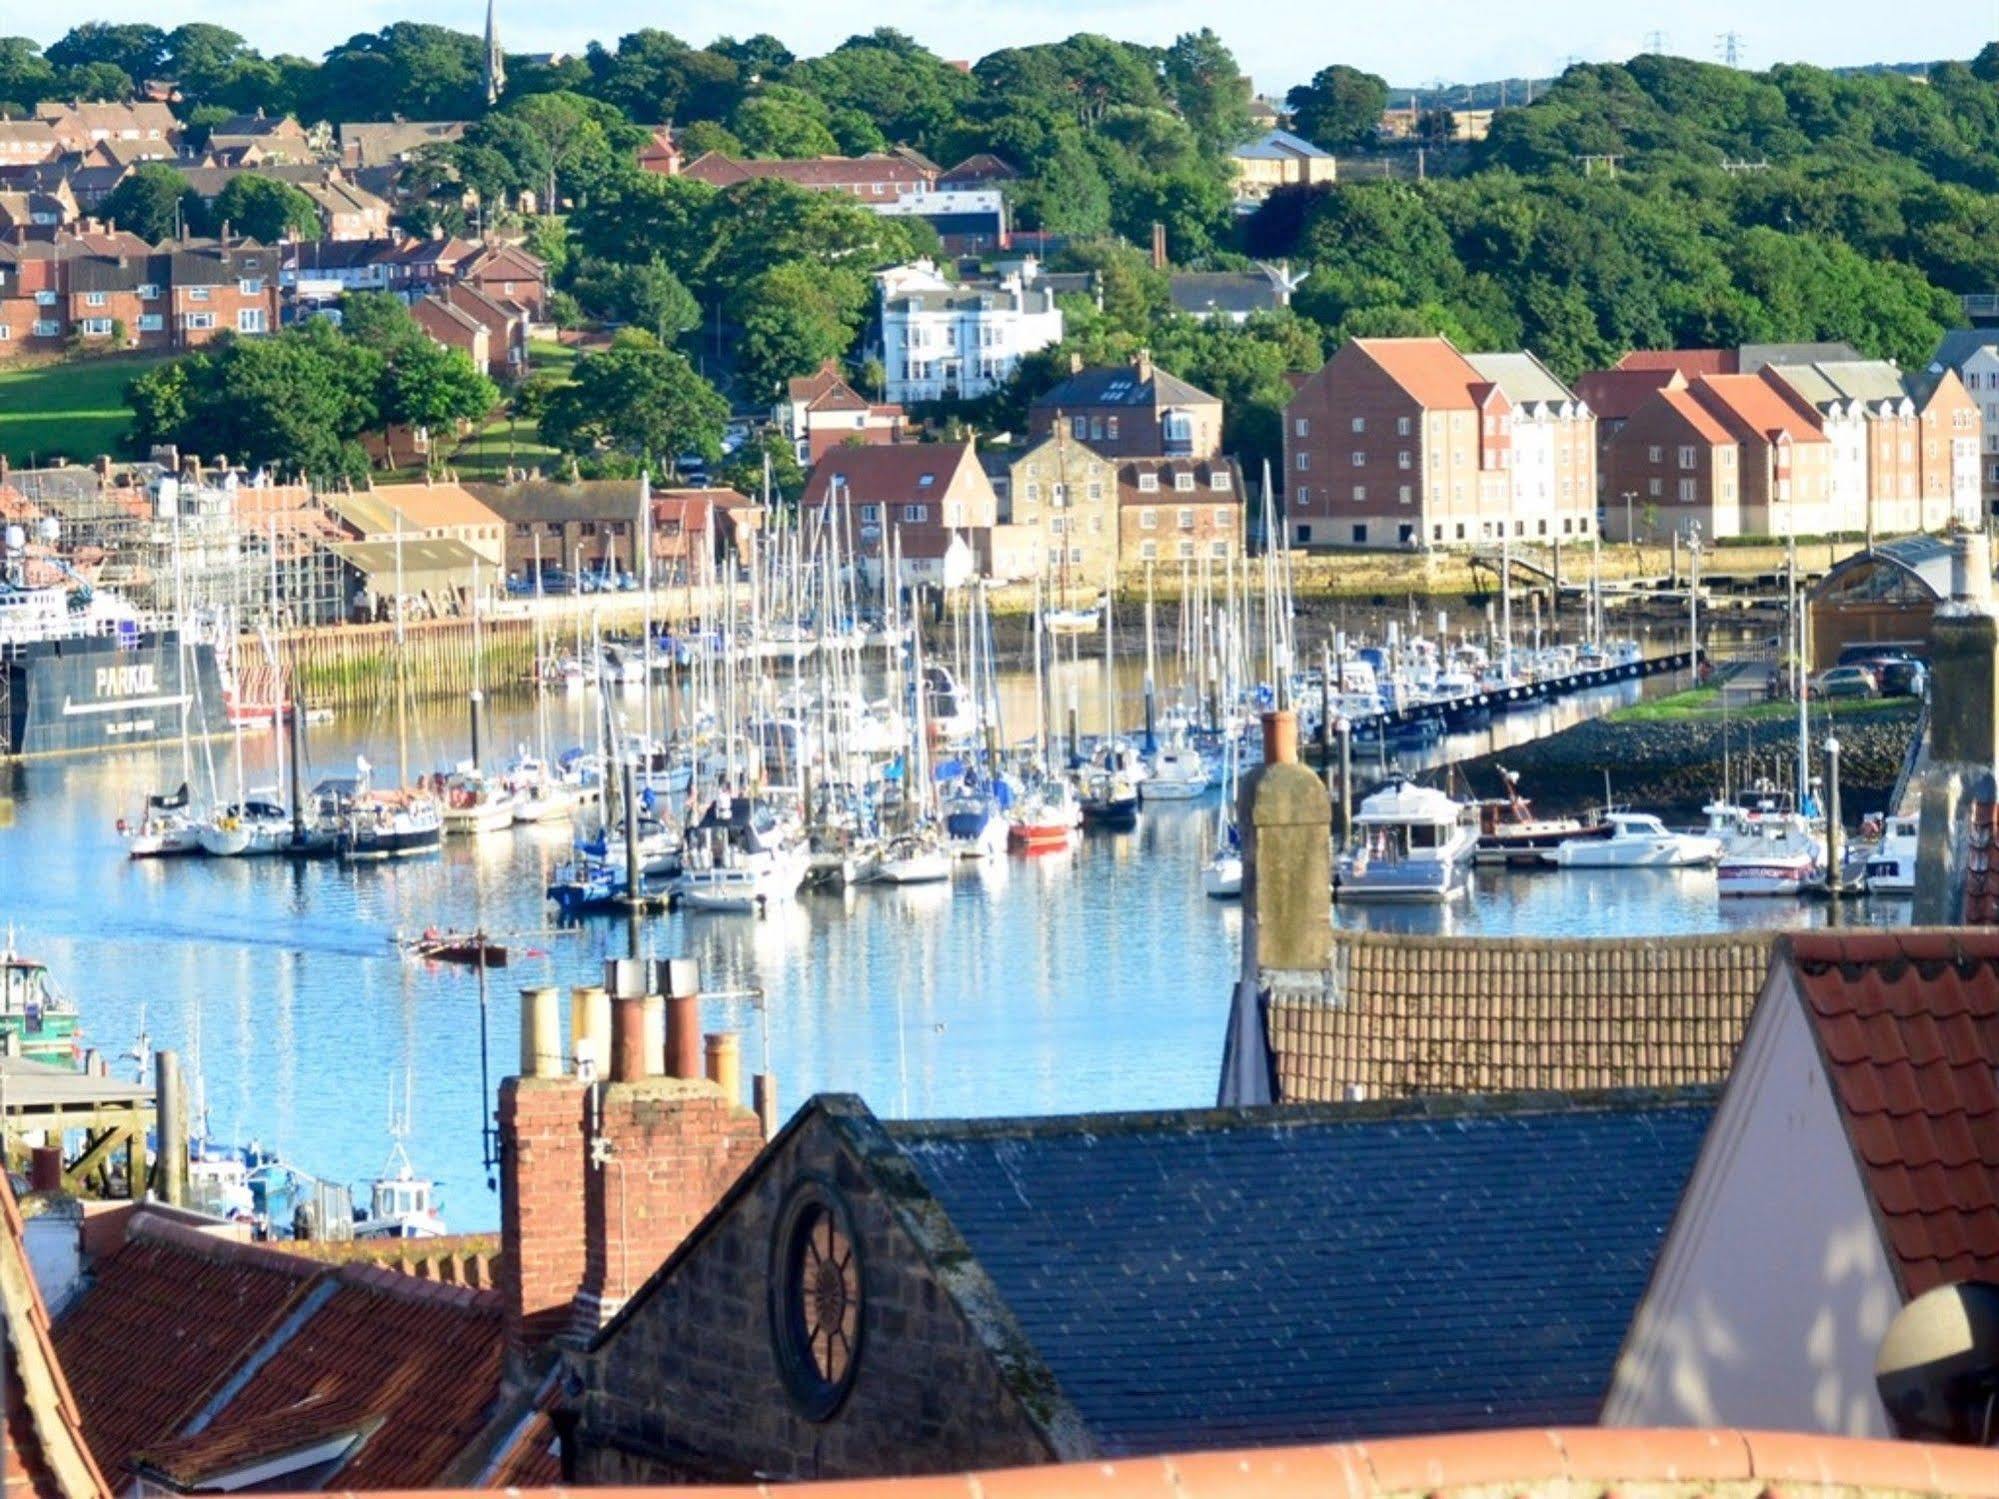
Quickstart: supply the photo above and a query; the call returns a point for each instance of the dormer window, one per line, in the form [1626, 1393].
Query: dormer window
[1148, 483]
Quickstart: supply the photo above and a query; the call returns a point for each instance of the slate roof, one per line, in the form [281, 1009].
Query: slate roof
[1752, 357]
[1168, 471]
[1959, 344]
[1907, 1024]
[1122, 385]
[1214, 1279]
[372, 143]
[1400, 1015]
[1523, 377]
[1277, 145]
[1202, 292]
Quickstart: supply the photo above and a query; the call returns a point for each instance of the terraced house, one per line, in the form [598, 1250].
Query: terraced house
[117, 293]
[1175, 511]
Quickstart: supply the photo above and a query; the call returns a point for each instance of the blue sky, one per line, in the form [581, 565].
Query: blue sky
[1416, 41]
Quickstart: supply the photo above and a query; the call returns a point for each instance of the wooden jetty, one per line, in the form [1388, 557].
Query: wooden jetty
[49, 1103]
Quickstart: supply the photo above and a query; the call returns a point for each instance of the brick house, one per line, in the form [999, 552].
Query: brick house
[347, 212]
[1175, 510]
[79, 125]
[1134, 411]
[25, 142]
[454, 328]
[1061, 498]
[1786, 460]
[1675, 462]
[821, 411]
[593, 525]
[505, 323]
[434, 510]
[1399, 442]
[1947, 461]
[176, 297]
[872, 177]
[932, 499]
[507, 273]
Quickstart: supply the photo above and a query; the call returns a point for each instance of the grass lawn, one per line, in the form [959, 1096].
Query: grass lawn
[483, 456]
[75, 407]
[1703, 705]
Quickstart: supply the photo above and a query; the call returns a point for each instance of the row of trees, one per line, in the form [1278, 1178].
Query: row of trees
[156, 202]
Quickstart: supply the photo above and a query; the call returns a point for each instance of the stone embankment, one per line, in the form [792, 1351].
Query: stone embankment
[1674, 767]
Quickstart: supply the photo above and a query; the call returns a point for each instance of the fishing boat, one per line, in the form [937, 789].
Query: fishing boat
[584, 885]
[36, 1020]
[1637, 840]
[401, 1204]
[165, 830]
[1411, 843]
[431, 945]
[1510, 833]
[1891, 865]
[1772, 853]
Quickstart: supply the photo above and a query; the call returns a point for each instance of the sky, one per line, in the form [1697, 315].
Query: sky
[1423, 41]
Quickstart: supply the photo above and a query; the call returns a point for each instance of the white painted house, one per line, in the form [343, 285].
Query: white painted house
[943, 341]
[1850, 1168]
[1553, 446]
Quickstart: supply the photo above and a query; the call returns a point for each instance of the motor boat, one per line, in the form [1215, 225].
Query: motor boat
[36, 1020]
[369, 825]
[1891, 865]
[1110, 783]
[401, 1204]
[1637, 840]
[1509, 831]
[540, 792]
[1175, 771]
[738, 858]
[1772, 856]
[473, 803]
[1411, 843]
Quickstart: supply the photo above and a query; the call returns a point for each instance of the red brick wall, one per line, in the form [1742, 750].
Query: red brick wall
[543, 1151]
[1321, 509]
[1628, 465]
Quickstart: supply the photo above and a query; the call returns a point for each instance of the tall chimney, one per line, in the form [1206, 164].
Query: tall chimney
[590, 1028]
[544, 1127]
[1964, 730]
[624, 978]
[1158, 246]
[725, 1064]
[681, 981]
[541, 1032]
[1287, 904]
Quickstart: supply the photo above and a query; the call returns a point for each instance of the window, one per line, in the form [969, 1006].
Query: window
[915, 513]
[1057, 525]
[1405, 534]
[45, 299]
[1218, 481]
[1148, 519]
[1402, 459]
[197, 294]
[1686, 456]
[1079, 427]
[1110, 428]
[1359, 459]
[1096, 490]
[1360, 493]
[95, 299]
[1654, 453]
[1186, 520]
[1402, 426]
[1033, 493]
[6, 334]
[251, 286]
[250, 320]
[1301, 427]
[197, 322]
[1686, 491]
[1360, 536]
[1096, 429]
[1305, 495]
[46, 329]
[1404, 494]
[1184, 483]
[1303, 463]
[1148, 550]
[1461, 530]
[151, 322]
[925, 481]
[1541, 527]
[1186, 549]
[1218, 549]
[816, 1299]
[1304, 535]
[1436, 533]
[871, 513]
[1149, 483]
[1075, 554]
[97, 327]
[1360, 424]
[588, 528]
[148, 292]
[1655, 488]
[1058, 494]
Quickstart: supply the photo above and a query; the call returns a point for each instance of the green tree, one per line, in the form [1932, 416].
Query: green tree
[95, 80]
[646, 295]
[1340, 108]
[1211, 91]
[781, 121]
[26, 77]
[744, 469]
[426, 386]
[654, 76]
[153, 202]
[264, 208]
[913, 96]
[639, 399]
[378, 320]
[794, 317]
[135, 49]
[408, 69]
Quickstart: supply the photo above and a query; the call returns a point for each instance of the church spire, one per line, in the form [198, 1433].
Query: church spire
[496, 60]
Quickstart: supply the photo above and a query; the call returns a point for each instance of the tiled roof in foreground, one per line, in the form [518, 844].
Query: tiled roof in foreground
[1401, 1015]
[1215, 1278]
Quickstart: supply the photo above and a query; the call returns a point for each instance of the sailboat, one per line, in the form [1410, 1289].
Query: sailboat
[918, 855]
[1110, 778]
[371, 823]
[1221, 876]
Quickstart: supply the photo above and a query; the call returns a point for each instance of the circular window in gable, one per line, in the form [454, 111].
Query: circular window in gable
[815, 1293]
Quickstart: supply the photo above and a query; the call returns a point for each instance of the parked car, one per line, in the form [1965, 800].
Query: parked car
[1845, 681]
[1898, 676]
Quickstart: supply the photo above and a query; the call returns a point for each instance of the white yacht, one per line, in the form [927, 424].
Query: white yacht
[1637, 840]
[1891, 865]
[917, 858]
[1778, 854]
[474, 803]
[1175, 771]
[1411, 843]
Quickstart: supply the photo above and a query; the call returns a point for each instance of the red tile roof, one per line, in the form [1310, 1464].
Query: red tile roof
[1981, 875]
[1752, 408]
[825, 390]
[1908, 1027]
[412, 1365]
[1431, 370]
[167, 1318]
[1691, 363]
[1681, 399]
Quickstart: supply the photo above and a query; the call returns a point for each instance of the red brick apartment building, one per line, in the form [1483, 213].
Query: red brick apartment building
[1405, 442]
[107, 292]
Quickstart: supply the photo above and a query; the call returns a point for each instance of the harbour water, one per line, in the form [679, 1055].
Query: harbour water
[1094, 979]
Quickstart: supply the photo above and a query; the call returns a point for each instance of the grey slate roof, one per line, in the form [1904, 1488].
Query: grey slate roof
[1523, 377]
[1199, 292]
[1277, 145]
[1220, 1278]
[1959, 344]
[1120, 385]
[1752, 357]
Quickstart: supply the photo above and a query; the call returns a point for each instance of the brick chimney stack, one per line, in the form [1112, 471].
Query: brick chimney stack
[606, 1165]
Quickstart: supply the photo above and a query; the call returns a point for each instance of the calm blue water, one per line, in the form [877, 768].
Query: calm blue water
[1096, 979]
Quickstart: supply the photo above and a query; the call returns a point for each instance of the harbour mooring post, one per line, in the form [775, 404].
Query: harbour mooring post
[1833, 883]
[1326, 713]
[170, 1105]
